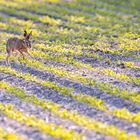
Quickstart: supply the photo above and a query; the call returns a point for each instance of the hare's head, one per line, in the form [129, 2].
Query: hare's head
[26, 40]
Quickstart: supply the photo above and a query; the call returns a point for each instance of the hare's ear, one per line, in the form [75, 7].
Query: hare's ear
[25, 33]
[29, 35]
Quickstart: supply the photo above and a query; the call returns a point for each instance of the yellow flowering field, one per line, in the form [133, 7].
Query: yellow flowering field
[82, 79]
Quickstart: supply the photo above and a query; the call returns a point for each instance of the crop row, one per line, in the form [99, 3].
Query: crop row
[93, 101]
[77, 50]
[103, 84]
[74, 116]
[70, 60]
[107, 87]
[101, 70]
[61, 51]
[49, 128]
[68, 29]
[9, 135]
[123, 7]
[97, 43]
[42, 10]
[87, 7]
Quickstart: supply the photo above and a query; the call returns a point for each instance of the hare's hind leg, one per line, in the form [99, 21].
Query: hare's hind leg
[16, 55]
[7, 61]
[8, 50]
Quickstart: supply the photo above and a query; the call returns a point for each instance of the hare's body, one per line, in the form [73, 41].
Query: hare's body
[15, 44]
[18, 45]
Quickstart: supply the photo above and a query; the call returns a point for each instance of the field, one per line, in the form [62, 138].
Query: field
[83, 80]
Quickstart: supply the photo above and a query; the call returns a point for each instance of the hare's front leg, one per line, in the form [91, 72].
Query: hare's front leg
[29, 55]
[22, 55]
[16, 54]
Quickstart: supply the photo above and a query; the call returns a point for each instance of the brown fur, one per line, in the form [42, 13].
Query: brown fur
[18, 45]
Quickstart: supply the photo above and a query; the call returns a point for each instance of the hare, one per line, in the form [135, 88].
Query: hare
[18, 45]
